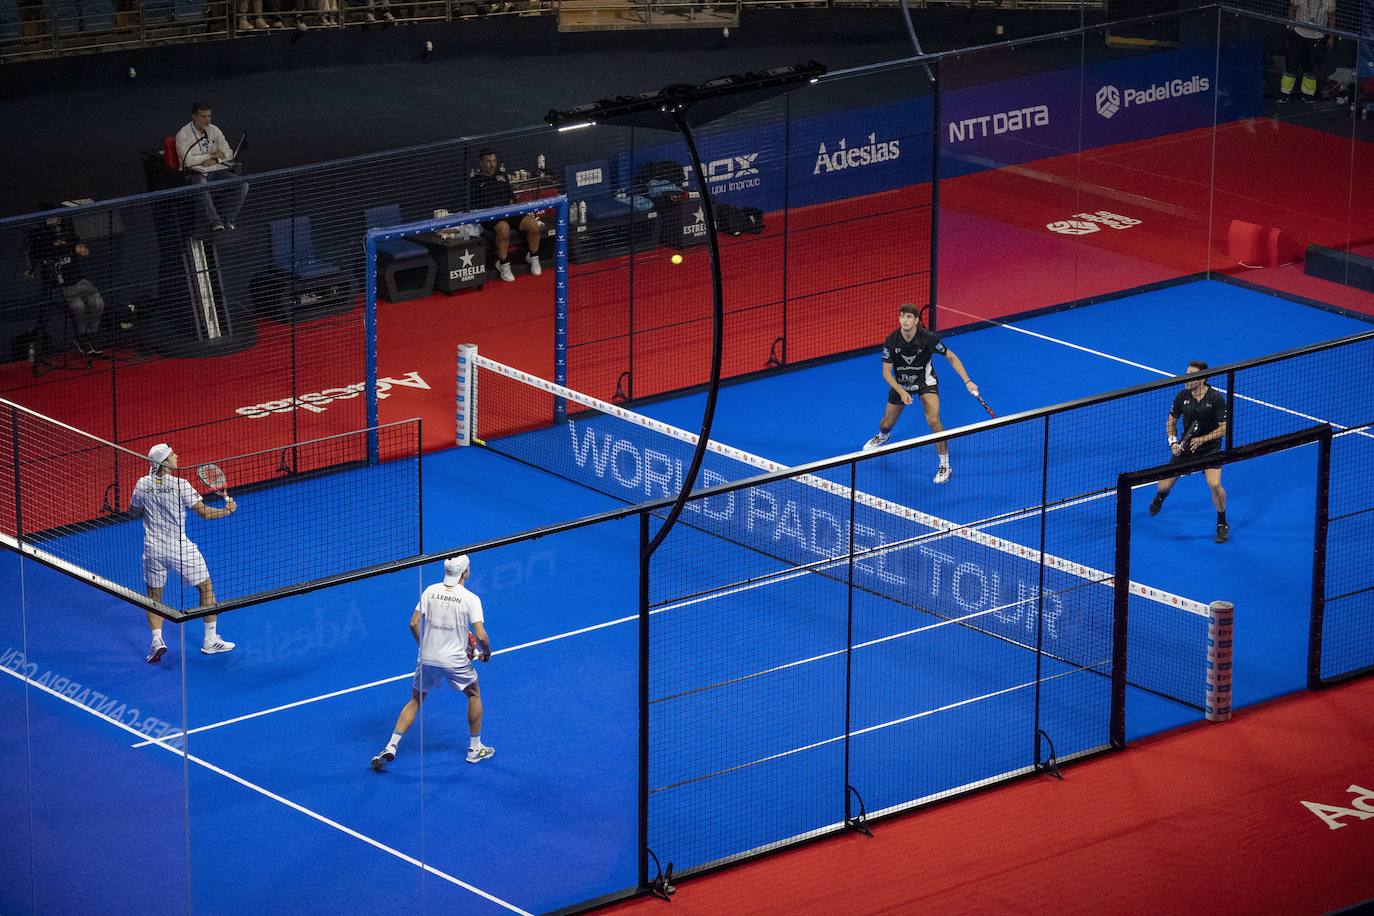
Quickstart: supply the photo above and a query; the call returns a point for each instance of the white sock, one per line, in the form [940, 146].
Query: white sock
[474, 742]
[210, 630]
[157, 635]
[395, 740]
[944, 460]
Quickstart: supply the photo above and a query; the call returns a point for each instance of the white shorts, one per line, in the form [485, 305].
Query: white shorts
[187, 561]
[427, 677]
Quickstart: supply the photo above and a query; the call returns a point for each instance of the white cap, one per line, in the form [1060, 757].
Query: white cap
[158, 454]
[454, 567]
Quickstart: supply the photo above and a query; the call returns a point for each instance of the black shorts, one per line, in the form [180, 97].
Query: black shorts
[921, 388]
[1209, 448]
[512, 221]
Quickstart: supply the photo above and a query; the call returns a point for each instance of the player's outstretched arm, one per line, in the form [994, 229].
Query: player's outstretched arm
[206, 512]
[958, 366]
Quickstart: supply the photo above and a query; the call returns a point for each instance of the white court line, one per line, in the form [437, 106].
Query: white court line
[609, 623]
[1127, 362]
[873, 728]
[267, 793]
[524, 645]
[370, 684]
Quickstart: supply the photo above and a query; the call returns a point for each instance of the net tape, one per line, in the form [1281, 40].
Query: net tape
[971, 532]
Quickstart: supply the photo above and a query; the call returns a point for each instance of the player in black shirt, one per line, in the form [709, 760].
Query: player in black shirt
[489, 187]
[907, 369]
[1203, 412]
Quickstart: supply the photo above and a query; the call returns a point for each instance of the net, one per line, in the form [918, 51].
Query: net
[990, 575]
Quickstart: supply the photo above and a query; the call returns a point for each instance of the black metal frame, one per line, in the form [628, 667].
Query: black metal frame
[1125, 484]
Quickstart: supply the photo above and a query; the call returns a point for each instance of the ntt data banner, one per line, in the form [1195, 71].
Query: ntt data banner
[1113, 102]
[863, 151]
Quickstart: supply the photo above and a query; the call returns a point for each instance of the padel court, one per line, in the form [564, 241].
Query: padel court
[764, 662]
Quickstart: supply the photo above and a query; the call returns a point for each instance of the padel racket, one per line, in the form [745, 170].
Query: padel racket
[1188, 438]
[212, 475]
[985, 405]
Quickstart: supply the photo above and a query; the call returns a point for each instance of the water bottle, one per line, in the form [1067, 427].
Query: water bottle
[582, 211]
[540, 163]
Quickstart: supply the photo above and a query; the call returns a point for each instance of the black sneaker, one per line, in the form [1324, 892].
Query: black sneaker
[1223, 532]
[1156, 504]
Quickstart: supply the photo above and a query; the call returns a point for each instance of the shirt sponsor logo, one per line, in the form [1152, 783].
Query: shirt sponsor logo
[854, 157]
[733, 173]
[1002, 122]
[318, 401]
[1088, 223]
[1110, 99]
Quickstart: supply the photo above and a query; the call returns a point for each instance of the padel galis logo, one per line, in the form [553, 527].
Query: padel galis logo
[854, 157]
[1088, 223]
[1110, 99]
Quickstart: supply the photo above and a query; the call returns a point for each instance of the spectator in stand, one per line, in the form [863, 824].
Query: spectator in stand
[1304, 48]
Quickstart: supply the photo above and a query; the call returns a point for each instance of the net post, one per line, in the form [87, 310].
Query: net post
[370, 339]
[1220, 629]
[1121, 592]
[465, 420]
[560, 305]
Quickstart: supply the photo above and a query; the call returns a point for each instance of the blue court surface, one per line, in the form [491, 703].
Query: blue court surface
[274, 798]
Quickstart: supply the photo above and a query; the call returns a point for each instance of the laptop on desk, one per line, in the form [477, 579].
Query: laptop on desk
[223, 165]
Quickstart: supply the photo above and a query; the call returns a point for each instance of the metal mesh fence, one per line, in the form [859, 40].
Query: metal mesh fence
[303, 512]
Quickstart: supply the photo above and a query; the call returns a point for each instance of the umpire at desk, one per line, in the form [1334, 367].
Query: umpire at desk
[206, 156]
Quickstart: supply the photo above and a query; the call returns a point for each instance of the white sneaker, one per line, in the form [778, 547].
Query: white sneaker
[879, 440]
[503, 268]
[942, 475]
[535, 268]
[476, 754]
[216, 646]
[244, 24]
[384, 756]
[156, 651]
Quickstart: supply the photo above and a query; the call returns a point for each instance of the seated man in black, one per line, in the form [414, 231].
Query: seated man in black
[54, 251]
[489, 187]
[206, 156]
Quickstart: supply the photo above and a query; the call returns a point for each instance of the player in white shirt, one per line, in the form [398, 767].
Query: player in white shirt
[441, 623]
[162, 498]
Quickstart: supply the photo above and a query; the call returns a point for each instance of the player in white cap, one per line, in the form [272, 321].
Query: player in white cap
[162, 498]
[441, 623]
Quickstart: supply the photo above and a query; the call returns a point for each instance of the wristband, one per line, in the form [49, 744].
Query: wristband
[1173, 441]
